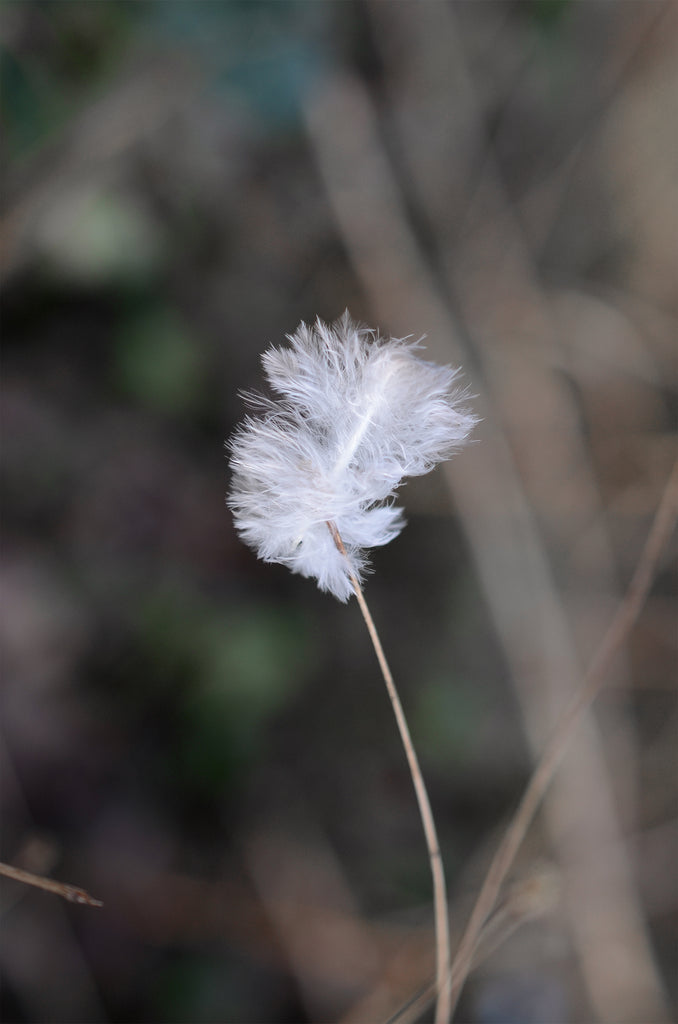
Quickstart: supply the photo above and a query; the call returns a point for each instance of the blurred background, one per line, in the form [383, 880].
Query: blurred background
[204, 741]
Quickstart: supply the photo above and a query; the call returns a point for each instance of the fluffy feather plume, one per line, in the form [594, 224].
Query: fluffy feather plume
[352, 415]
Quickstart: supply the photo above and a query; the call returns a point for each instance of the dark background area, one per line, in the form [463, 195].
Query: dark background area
[203, 741]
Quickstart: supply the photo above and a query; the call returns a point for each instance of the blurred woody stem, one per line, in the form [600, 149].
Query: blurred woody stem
[442, 928]
[627, 613]
[69, 892]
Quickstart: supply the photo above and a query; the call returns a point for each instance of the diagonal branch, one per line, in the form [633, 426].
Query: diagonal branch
[69, 892]
[627, 614]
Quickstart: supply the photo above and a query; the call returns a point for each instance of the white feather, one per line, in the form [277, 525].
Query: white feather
[352, 415]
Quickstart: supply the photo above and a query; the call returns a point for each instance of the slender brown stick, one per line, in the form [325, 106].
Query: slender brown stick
[69, 892]
[626, 615]
[442, 928]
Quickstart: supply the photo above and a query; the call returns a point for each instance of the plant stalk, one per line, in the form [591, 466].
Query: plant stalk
[442, 928]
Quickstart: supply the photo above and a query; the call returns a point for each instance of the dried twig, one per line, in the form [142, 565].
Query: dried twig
[69, 892]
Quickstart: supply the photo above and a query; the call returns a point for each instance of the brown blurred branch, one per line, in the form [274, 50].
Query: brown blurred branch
[627, 614]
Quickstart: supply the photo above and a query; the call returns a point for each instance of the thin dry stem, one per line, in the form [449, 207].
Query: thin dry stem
[442, 927]
[526, 900]
[69, 892]
[627, 613]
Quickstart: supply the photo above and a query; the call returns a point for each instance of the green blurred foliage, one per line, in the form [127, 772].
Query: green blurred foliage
[196, 988]
[64, 50]
[448, 718]
[99, 236]
[25, 116]
[548, 14]
[238, 667]
[159, 362]
[267, 52]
